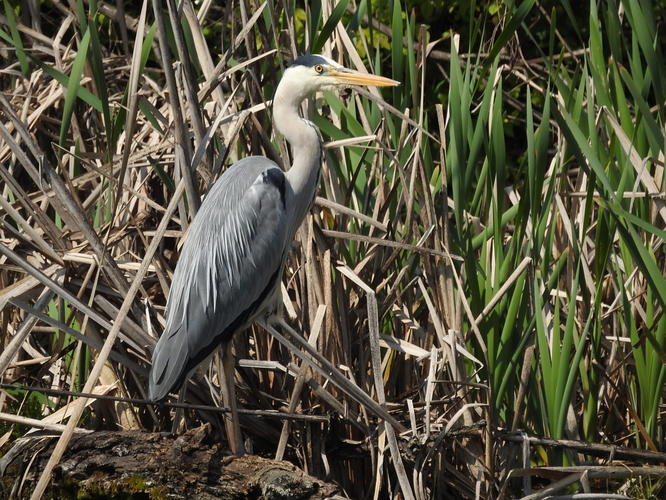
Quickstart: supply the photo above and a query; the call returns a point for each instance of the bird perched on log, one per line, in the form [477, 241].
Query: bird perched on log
[231, 264]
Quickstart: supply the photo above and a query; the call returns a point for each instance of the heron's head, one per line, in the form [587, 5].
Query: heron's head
[311, 72]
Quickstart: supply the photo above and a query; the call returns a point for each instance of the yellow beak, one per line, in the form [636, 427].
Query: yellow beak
[350, 77]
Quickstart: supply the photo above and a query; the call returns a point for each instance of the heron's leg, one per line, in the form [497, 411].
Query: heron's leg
[231, 422]
[179, 411]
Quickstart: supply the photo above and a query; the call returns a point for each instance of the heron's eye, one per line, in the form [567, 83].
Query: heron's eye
[319, 68]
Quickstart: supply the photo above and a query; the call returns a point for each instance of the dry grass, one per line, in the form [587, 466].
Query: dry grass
[82, 236]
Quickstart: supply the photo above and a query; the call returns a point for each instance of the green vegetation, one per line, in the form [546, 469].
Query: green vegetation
[505, 245]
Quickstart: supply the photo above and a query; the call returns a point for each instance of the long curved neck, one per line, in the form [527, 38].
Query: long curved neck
[303, 137]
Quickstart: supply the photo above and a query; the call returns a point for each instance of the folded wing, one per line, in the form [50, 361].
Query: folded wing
[231, 261]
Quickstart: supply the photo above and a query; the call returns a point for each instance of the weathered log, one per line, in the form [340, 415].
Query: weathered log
[154, 466]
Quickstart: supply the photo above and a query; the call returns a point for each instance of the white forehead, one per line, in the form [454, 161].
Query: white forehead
[331, 62]
[311, 60]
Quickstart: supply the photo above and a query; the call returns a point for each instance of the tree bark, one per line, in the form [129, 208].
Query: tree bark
[153, 466]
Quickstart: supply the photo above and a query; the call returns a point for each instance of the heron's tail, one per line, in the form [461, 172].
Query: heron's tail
[168, 371]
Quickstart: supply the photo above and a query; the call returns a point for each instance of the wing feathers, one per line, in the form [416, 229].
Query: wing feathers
[233, 253]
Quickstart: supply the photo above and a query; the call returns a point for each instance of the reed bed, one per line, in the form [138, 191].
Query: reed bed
[485, 263]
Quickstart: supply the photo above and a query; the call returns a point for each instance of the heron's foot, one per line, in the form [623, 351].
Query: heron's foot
[273, 318]
[270, 318]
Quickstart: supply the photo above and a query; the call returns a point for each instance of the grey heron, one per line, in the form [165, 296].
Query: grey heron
[231, 263]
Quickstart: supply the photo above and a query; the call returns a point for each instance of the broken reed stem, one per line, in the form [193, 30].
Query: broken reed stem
[187, 406]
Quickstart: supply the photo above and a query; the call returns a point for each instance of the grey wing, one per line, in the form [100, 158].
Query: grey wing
[230, 263]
